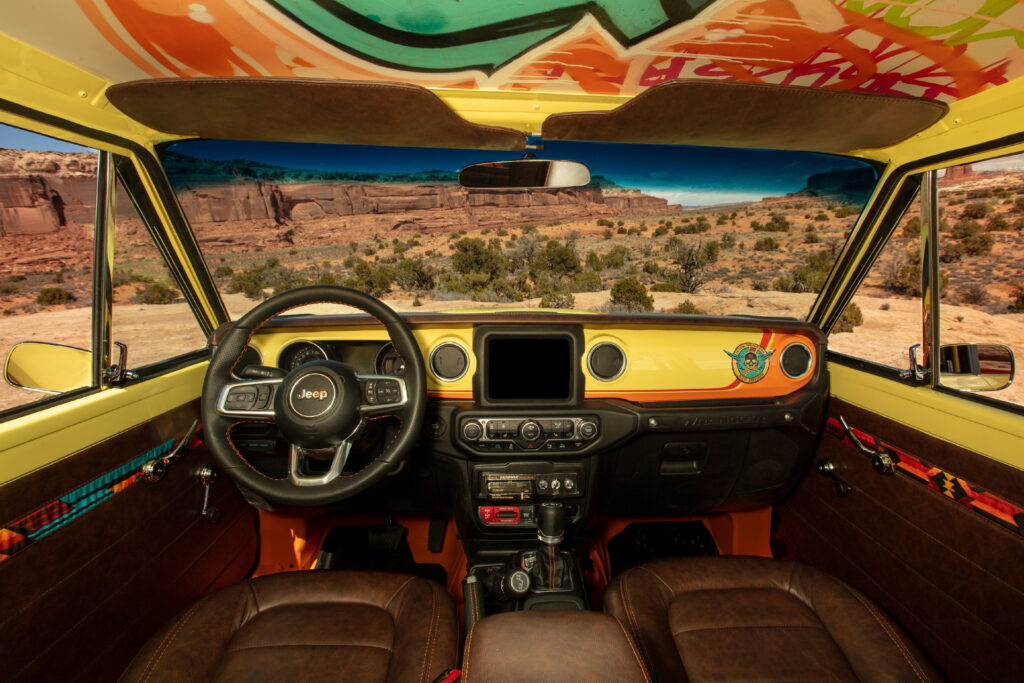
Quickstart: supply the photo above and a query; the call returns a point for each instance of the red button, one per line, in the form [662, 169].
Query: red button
[487, 513]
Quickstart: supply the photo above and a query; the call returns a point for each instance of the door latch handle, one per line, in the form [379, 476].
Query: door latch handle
[881, 461]
[828, 468]
[207, 475]
[154, 470]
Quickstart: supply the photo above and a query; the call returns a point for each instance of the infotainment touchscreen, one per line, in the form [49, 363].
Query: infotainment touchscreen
[522, 368]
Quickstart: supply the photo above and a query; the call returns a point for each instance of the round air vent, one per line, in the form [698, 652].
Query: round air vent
[796, 360]
[449, 361]
[606, 361]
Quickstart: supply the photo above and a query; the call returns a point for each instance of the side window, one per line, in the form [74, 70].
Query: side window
[981, 254]
[884, 319]
[150, 315]
[47, 207]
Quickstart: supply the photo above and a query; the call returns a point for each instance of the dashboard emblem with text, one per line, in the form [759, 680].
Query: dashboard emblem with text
[750, 362]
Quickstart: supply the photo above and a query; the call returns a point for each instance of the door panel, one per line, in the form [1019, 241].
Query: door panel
[83, 598]
[943, 556]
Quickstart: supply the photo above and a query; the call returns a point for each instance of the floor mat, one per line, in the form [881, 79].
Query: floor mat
[642, 542]
[376, 547]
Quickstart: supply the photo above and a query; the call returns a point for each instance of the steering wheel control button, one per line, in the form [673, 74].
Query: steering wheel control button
[241, 398]
[313, 395]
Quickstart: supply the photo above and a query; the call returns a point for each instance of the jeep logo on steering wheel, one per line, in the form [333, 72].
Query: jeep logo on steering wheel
[312, 395]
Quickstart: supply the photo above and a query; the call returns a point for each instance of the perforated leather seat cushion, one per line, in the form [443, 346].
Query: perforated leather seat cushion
[753, 619]
[320, 625]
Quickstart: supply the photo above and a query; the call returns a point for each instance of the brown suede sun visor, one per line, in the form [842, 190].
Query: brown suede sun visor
[305, 110]
[752, 115]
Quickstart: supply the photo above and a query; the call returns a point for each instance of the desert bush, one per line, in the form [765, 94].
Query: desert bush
[557, 300]
[976, 210]
[615, 257]
[811, 238]
[6, 290]
[370, 278]
[52, 296]
[223, 271]
[778, 223]
[607, 234]
[1017, 304]
[807, 277]
[156, 293]
[474, 256]
[630, 292]
[651, 268]
[728, 241]
[972, 293]
[586, 281]
[670, 286]
[413, 275]
[963, 229]
[912, 228]
[766, 244]
[978, 245]
[660, 231]
[687, 307]
[850, 318]
[997, 222]
[554, 260]
[721, 220]
[844, 210]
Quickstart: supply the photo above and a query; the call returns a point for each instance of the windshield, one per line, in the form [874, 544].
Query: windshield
[671, 229]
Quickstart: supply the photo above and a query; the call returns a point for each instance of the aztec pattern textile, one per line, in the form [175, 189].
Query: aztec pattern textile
[985, 503]
[43, 521]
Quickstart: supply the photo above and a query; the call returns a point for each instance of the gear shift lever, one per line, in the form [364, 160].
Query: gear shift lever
[551, 523]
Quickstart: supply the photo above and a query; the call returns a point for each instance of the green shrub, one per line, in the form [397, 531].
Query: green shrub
[670, 286]
[413, 275]
[660, 231]
[978, 245]
[846, 210]
[912, 228]
[557, 300]
[807, 277]
[615, 257]
[778, 223]
[963, 229]
[766, 244]
[687, 307]
[375, 280]
[850, 318]
[554, 260]
[223, 271]
[996, 223]
[1017, 305]
[156, 293]
[586, 281]
[976, 210]
[630, 292]
[52, 296]
[7, 290]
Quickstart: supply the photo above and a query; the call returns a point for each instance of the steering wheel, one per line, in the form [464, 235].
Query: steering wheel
[320, 407]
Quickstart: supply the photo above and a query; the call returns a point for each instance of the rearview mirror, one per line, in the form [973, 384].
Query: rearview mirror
[524, 174]
[976, 367]
[49, 368]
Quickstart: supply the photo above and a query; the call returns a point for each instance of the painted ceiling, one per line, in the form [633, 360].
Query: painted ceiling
[941, 49]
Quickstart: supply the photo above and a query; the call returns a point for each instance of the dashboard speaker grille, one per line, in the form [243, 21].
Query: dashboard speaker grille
[796, 360]
[449, 361]
[606, 361]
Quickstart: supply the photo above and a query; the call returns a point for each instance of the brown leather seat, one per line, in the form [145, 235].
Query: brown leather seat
[750, 619]
[319, 625]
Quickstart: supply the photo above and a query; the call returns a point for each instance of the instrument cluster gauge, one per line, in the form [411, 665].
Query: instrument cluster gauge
[301, 353]
[389, 362]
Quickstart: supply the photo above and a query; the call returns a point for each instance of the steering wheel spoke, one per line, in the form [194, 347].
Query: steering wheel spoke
[251, 398]
[297, 460]
[382, 395]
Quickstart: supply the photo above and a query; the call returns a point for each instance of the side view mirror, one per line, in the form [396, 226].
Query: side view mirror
[49, 368]
[976, 367]
[524, 174]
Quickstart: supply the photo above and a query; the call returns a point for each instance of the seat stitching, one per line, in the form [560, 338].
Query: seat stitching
[634, 624]
[465, 658]
[683, 632]
[888, 630]
[658, 577]
[632, 646]
[335, 645]
[387, 605]
[430, 635]
[168, 639]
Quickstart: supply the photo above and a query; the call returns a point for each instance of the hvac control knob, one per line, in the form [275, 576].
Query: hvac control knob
[472, 430]
[530, 431]
[588, 429]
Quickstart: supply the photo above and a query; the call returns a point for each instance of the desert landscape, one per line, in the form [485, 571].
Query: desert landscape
[423, 243]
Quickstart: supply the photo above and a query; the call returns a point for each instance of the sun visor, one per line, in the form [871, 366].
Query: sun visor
[752, 115]
[305, 110]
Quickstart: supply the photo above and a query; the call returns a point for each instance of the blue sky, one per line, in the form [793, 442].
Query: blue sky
[16, 138]
[692, 176]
